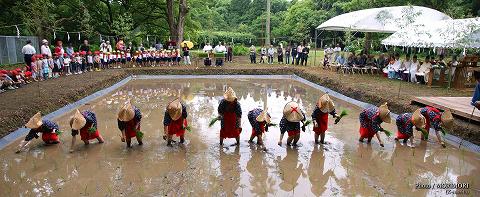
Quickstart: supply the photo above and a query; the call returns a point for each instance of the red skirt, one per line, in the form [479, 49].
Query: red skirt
[229, 129]
[131, 130]
[262, 129]
[177, 128]
[401, 135]
[50, 137]
[366, 132]
[293, 133]
[85, 135]
[322, 123]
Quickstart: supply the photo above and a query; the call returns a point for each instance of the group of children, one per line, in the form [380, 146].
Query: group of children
[45, 67]
[230, 113]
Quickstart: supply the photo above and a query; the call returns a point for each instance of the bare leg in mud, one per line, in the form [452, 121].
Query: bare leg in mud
[280, 140]
[129, 142]
[295, 139]
[182, 139]
[221, 140]
[440, 140]
[322, 138]
[289, 140]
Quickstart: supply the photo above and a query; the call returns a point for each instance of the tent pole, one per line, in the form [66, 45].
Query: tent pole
[315, 53]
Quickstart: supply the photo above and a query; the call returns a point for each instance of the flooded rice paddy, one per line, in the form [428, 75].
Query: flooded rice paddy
[201, 167]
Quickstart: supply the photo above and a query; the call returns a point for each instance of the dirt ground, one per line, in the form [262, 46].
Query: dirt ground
[19, 105]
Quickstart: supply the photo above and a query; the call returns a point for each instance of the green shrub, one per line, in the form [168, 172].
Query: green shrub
[240, 50]
[202, 55]
[217, 55]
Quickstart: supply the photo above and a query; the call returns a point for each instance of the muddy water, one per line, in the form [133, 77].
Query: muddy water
[201, 167]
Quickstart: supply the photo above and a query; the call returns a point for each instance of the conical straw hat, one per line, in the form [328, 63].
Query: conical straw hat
[230, 95]
[35, 121]
[126, 113]
[418, 119]
[263, 117]
[174, 109]
[325, 104]
[385, 113]
[77, 121]
[447, 120]
[292, 112]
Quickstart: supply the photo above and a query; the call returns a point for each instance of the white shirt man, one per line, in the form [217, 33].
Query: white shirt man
[220, 48]
[207, 48]
[44, 49]
[28, 49]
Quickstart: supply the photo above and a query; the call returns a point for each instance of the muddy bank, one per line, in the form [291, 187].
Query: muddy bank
[19, 105]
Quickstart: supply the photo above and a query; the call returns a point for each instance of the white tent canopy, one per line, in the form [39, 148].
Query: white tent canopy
[382, 20]
[459, 33]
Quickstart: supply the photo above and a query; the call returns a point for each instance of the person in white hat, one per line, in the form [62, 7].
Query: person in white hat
[406, 122]
[129, 119]
[437, 121]
[260, 120]
[290, 122]
[324, 107]
[36, 125]
[175, 121]
[230, 113]
[370, 120]
[85, 124]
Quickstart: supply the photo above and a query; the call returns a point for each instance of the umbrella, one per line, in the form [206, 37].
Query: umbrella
[189, 44]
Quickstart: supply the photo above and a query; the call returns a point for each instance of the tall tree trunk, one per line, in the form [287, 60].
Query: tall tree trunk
[368, 41]
[267, 33]
[176, 24]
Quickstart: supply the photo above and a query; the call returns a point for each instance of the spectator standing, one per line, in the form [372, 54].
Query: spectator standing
[329, 53]
[85, 46]
[207, 48]
[158, 46]
[186, 54]
[305, 52]
[294, 53]
[263, 53]
[287, 54]
[28, 51]
[220, 48]
[103, 47]
[120, 46]
[141, 48]
[44, 49]
[299, 54]
[413, 69]
[253, 54]
[70, 50]
[59, 48]
[230, 53]
[336, 51]
[271, 53]
[280, 54]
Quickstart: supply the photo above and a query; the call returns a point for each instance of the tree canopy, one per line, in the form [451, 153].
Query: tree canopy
[239, 19]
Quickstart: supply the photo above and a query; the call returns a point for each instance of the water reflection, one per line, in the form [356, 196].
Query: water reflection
[201, 167]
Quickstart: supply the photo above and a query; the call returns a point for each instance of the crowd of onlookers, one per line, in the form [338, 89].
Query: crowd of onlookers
[64, 61]
[293, 53]
[409, 69]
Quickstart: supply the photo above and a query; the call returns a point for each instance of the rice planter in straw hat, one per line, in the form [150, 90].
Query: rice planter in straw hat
[77, 121]
[35, 121]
